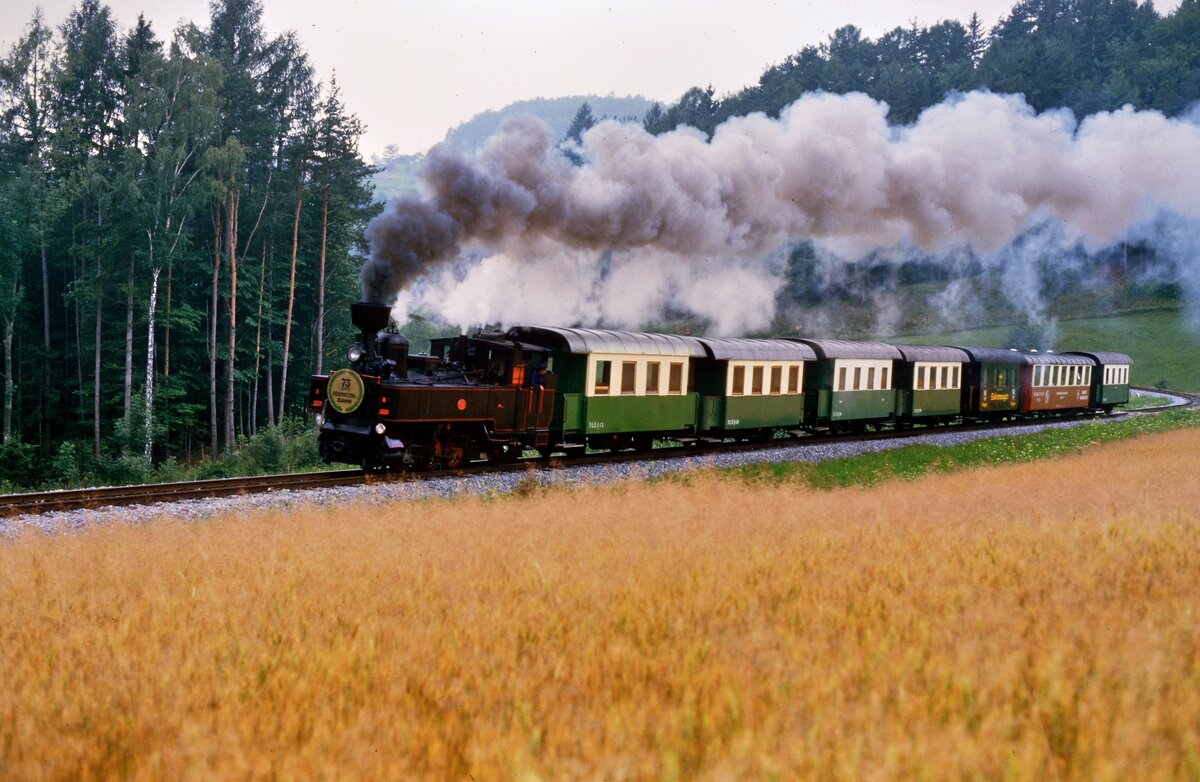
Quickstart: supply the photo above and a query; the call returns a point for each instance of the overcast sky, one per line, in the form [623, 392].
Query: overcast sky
[412, 70]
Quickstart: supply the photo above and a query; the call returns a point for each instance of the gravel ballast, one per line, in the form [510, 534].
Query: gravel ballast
[498, 483]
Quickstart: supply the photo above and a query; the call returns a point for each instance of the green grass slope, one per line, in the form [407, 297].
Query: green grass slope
[1165, 347]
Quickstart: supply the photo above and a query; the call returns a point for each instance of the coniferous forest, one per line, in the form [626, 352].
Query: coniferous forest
[182, 211]
[178, 211]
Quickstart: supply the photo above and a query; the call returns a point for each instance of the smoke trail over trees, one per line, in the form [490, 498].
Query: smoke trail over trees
[646, 219]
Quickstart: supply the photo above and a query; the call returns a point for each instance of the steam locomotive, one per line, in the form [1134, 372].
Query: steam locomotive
[495, 394]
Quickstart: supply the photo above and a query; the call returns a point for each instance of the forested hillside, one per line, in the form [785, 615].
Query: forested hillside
[177, 210]
[1084, 55]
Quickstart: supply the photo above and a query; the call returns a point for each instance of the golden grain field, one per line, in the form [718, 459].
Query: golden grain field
[1038, 621]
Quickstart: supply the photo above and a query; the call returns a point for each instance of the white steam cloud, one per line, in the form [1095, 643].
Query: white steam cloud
[650, 225]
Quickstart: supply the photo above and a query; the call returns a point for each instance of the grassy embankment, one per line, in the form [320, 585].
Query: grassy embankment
[913, 461]
[1021, 621]
[1164, 346]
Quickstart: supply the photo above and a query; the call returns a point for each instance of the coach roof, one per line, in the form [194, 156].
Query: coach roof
[1074, 359]
[933, 353]
[1104, 358]
[837, 348]
[996, 355]
[757, 349]
[601, 341]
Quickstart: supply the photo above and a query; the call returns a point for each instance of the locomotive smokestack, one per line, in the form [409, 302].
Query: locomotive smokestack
[370, 318]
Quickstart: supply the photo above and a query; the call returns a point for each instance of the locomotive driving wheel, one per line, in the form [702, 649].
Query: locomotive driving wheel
[451, 450]
[454, 453]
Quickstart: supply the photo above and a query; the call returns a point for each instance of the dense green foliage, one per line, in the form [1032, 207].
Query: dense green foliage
[913, 461]
[177, 216]
[1085, 55]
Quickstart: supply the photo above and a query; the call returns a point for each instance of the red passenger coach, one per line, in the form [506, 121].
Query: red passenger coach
[1056, 381]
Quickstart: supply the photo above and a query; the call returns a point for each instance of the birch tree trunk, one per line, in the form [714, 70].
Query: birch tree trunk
[128, 389]
[96, 365]
[8, 379]
[321, 282]
[287, 331]
[271, 343]
[212, 336]
[262, 284]
[231, 237]
[45, 384]
[167, 324]
[150, 364]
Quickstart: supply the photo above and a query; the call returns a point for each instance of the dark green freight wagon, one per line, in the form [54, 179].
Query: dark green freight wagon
[748, 387]
[851, 384]
[1110, 378]
[929, 383]
[618, 389]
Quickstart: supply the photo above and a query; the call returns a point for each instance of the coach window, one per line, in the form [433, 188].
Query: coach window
[883, 378]
[756, 383]
[841, 384]
[603, 376]
[921, 379]
[945, 377]
[652, 378]
[954, 381]
[628, 378]
[857, 378]
[793, 380]
[870, 378]
[776, 380]
[739, 381]
[675, 381]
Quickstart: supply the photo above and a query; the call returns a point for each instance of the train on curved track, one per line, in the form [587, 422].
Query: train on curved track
[494, 395]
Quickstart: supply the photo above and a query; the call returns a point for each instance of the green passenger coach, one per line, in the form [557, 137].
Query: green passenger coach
[1110, 378]
[751, 386]
[618, 389]
[852, 383]
[929, 383]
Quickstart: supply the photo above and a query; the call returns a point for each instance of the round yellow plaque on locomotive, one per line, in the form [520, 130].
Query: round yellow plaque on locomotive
[346, 391]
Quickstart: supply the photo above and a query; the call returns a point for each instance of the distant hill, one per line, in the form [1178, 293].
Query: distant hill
[397, 177]
[557, 112]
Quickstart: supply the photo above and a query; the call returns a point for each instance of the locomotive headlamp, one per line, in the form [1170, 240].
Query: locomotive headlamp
[355, 354]
[320, 420]
[380, 428]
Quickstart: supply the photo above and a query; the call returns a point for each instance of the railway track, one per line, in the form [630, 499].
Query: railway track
[107, 496]
[80, 499]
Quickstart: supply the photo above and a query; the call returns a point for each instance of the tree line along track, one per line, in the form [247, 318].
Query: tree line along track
[33, 503]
